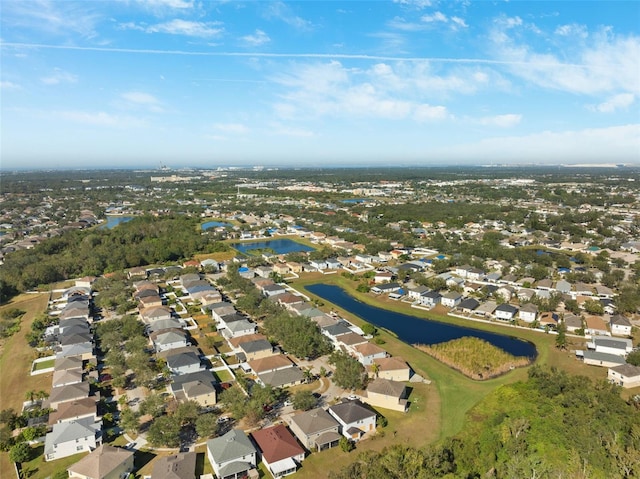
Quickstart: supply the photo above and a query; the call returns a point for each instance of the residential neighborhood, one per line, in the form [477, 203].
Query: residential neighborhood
[228, 355]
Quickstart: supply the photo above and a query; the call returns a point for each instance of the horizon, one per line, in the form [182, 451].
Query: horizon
[318, 84]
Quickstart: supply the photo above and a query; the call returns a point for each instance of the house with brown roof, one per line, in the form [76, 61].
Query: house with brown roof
[279, 450]
[105, 462]
[393, 368]
[270, 364]
[386, 394]
[70, 392]
[76, 409]
[368, 352]
[595, 326]
[176, 466]
[316, 429]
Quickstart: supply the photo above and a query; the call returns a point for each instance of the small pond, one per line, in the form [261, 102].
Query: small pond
[278, 246]
[113, 221]
[414, 330]
[214, 224]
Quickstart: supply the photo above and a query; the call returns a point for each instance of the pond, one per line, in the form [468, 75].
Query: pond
[414, 330]
[113, 221]
[278, 246]
[214, 224]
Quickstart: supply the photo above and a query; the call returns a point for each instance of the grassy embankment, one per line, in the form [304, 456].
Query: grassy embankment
[15, 362]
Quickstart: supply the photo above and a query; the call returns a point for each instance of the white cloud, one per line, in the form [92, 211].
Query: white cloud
[428, 112]
[53, 17]
[435, 17]
[177, 4]
[234, 128]
[572, 29]
[96, 118]
[59, 76]
[595, 145]
[616, 102]
[143, 100]
[606, 64]
[459, 22]
[502, 121]
[283, 12]
[417, 4]
[258, 38]
[179, 27]
[7, 85]
[383, 91]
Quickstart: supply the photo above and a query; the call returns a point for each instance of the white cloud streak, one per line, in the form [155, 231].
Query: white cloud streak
[179, 27]
[257, 39]
[59, 76]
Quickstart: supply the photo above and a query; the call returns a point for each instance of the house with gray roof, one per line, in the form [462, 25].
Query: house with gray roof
[354, 418]
[69, 392]
[607, 360]
[184, 362]
[625, 375]
[73, 437]
[168, 339]
[105, 462]
[175, 466]
[232, 455]
[282, 378]
[620, 325]
[388, 394]
[316, 429]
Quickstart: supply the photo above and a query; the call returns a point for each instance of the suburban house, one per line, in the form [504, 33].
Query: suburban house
[607, 360]
[155, 313]
[175, 466]
[223, 308]
[74, 410]
[71, 392]
[415, 292]
[573, 322]
[430, 298]
[279, 450]
[105, 462]
[620, 325]
[528, 312]
[486, 309]
[506, 312]
[199, 386]
[316, 429]
[354, 418]
[232, 456]
[387, 394]
[451, 299]
[183, 362]
[609, 345]
[73, 437]
[368, 352]
[168, 339]
[393, 368]
[625, 375]
[468, 305]
[549, 319]
[256, 349]
[595, 326]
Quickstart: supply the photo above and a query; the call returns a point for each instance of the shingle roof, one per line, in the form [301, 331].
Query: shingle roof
[277, 443]
[177, 466]
[351, 411]
[99, 463]
[233, 445]
[282, 377]
[277, 361]
[315, 420]
[386, 387]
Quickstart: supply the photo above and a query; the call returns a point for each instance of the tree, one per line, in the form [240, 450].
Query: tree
[593, 306]
[369, 329]
[561, 338]
[634, 358]
[345, 444]
[20, 452]
[304, 400]
[349, 373]
[153, 404]
[187, 412]
[165, 431]
[207, 425]
[129, 420]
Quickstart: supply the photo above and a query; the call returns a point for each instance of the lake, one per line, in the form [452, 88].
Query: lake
[278, 246]
[214, 224]
[113, 221]
[414, 330]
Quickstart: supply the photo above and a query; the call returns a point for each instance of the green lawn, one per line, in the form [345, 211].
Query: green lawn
[44, 365]
[38, 468]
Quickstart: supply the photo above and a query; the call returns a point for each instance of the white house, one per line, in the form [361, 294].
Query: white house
[279, 450]
[625, 375]
[73, 437]
[232, 455]
[354, 418]
[528, 313]
[620, 325]
[451, 299]
[506, 312]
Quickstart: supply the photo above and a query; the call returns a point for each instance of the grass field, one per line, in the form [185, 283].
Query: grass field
[44, 365]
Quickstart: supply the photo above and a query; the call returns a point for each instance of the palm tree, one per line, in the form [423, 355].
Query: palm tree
[42, 394]
[30, 395]
[375, 369]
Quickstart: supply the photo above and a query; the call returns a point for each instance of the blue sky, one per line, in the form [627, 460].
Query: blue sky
[136, 83]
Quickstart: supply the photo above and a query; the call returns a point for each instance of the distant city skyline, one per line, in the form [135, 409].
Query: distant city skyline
[187, 83]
